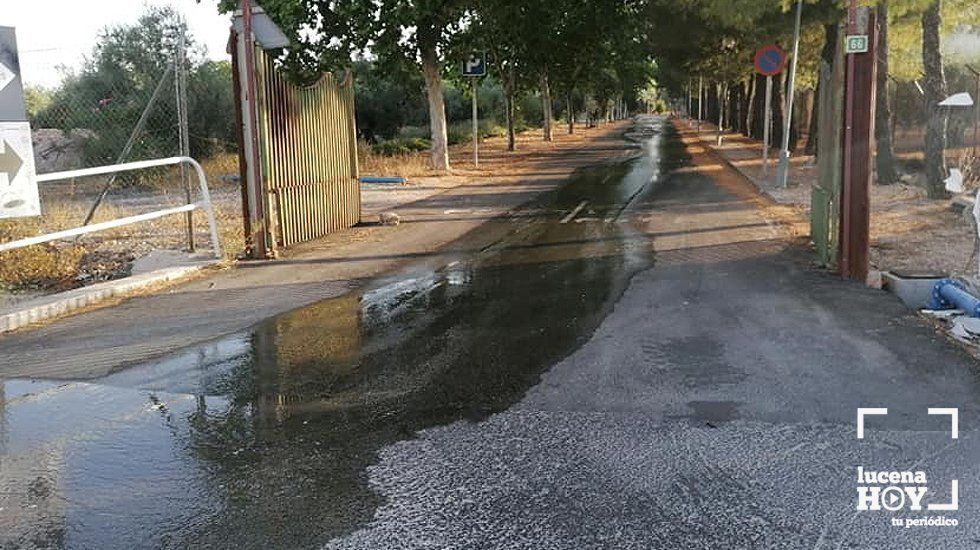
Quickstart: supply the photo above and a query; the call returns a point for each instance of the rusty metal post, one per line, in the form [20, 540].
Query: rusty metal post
[257, 226]
[859, 114]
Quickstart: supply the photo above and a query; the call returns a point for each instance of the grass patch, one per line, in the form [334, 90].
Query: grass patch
[401, 146]
[406, 165]
[40, 266]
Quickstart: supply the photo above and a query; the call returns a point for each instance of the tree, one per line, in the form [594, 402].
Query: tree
[884, 153]
[399, 33]
[114, 87]
[36, 100]
[934, 88]
[504, 27]
[211, 108]
[826, 57]
[386, 102]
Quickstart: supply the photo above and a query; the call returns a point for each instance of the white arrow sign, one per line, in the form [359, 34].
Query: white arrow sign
[18, 182]
[6, 76]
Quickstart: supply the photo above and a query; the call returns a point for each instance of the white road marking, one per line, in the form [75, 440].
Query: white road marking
[575, 212]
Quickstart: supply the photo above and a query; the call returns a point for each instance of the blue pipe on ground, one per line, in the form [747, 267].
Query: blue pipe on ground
[372, 179]
[950, 294]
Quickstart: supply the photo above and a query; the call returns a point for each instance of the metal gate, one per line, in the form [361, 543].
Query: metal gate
[308, 151]
[298, 144]
[825, 195]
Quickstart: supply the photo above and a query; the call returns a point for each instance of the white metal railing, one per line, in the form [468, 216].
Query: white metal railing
[205, 203]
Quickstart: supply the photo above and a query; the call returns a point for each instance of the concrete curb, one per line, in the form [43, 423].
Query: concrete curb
[725, 160]
[64, 303]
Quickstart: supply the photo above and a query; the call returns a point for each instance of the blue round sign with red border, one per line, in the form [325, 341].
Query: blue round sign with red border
[770, 60]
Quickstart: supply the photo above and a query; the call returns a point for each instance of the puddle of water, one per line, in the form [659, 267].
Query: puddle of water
[265, 437]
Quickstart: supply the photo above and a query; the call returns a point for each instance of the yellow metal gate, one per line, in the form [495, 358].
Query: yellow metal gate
[308, 151]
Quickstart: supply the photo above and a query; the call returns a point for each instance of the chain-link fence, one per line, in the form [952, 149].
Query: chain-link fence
[145, 92]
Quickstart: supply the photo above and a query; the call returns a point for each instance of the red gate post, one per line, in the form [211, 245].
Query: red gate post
[858, 141]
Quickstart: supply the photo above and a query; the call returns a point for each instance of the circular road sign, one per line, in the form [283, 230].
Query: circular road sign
[770, 60]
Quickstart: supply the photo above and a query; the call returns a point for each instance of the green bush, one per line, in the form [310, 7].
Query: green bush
[460, 132]
[416, 138]
[401, 146]
[414, 132]
[490, 128]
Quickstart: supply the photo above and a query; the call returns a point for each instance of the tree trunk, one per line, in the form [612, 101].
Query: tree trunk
[884, 153]
[758, 107]
[511, 137]
[570, 108]
[806, 109]
[750, 107]
[546, 106]
[509, 108]
[734, 101]
[827, 55]
[432, 72]
[778, 109]
[934, 86]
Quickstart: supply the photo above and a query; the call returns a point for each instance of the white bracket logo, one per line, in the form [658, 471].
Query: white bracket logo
[891, 490]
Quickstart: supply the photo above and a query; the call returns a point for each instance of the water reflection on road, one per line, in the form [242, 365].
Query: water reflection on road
[265, 438]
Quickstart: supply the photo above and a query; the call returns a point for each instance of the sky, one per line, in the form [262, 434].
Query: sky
[52, 33]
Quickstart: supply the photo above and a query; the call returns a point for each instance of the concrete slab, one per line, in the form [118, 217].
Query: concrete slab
[913, 291]
[45, 308]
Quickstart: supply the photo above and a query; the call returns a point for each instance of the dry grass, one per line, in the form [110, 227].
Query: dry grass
[406, 166]
[39, 266]
[909, 232]
[493, 155]
[109, 254]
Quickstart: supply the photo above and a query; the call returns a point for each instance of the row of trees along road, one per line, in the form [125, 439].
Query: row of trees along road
[718, 39]
[637, 50]
[599, 48]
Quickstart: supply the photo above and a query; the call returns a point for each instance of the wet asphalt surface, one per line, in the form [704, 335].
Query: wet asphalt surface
[637, 360]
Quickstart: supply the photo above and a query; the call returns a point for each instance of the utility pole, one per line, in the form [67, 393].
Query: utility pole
[859, 107]
[782, 175]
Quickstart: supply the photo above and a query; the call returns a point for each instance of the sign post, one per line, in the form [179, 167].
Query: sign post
[769, 61]
[18, 179]
[476, 123]
[767, 127]
[783, 174]
[474, 68]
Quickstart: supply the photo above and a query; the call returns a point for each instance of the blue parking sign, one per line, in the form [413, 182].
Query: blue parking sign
[476, 65]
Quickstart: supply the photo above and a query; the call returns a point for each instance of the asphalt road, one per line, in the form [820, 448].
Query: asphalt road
[640, 359]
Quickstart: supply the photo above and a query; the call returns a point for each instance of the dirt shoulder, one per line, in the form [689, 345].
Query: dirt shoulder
[909, 232]
[96, 342]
